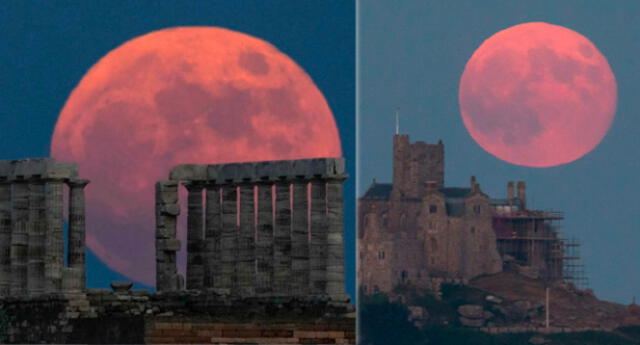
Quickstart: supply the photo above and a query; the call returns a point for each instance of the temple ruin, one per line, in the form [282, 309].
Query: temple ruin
[261, 229]
[32, 228]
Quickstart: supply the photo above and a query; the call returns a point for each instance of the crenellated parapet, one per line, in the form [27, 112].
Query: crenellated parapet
[270, 228]
[31, 228]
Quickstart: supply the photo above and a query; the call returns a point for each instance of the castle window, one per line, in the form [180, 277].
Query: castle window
[476, 209]
[364, 288]
[404, 275]
[376, 289]
[381, 255]
[434, 245]
[473, 230]
[430, 225]
[433, 208]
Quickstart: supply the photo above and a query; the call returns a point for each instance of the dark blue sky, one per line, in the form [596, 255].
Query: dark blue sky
[412, 54]
[47, 46]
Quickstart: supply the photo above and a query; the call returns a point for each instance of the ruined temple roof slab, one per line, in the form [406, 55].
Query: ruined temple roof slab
[188, 172]
[37, 167]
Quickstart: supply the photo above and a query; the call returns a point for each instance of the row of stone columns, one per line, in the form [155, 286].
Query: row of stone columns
[270, 236]
[32, 238]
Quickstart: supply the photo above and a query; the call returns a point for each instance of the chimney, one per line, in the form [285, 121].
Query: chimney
[510, 191]
[522, 196]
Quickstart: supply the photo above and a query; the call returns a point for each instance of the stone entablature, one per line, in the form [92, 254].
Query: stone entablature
[31, 228]
[270, 228]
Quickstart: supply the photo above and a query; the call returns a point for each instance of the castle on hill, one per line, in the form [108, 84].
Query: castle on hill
[419, 232]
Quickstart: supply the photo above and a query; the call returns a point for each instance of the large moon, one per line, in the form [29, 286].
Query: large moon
[537, 95]
[174, 96]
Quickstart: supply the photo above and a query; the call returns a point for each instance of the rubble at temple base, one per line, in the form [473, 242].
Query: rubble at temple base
[135, 317]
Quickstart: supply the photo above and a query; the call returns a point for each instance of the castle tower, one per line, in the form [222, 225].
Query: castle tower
[414, 165]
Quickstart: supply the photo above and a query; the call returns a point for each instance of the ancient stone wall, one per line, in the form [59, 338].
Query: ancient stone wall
[135, 317]
[270, 228]
[31, 228]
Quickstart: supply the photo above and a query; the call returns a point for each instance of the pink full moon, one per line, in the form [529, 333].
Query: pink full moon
[175, 96]
[537, 95]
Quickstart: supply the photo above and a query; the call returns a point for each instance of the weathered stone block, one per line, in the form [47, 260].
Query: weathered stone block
[188, 172]
[170, 209]
[471, 311]
[170, 244]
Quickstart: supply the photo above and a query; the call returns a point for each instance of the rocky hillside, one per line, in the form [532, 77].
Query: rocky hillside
[568, 307]
[516, 302]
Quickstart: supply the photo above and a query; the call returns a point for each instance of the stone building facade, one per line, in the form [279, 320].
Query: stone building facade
[417, 231]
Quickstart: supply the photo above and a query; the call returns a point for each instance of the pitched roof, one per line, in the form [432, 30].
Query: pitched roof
[378, 191]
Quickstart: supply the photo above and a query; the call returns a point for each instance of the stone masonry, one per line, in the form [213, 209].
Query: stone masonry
[102, 316]
[270, 228]
[417, 231]
[31, 228]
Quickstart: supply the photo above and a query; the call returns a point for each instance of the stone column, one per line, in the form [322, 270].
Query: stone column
[213, 230]
[77, 233]
[318, 246]
[19, 237]
[5, 238]
[264, 241]
[54, 251]
[72, 280]
[229, 239]
[300, 239]
[335, 238]
[167, 210]
[195, 236]
[282, 240]
[37, 238]
[246, 266]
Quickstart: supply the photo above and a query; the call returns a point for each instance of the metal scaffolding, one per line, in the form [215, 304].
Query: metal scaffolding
[573, 268]
[532, 239]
